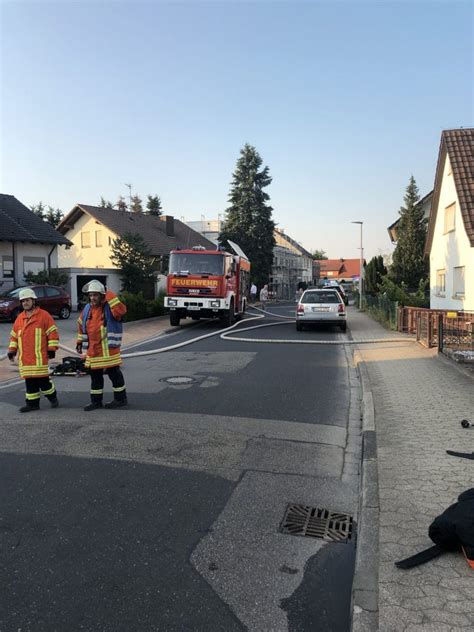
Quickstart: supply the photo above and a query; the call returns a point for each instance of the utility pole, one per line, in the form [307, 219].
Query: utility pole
[361, 271]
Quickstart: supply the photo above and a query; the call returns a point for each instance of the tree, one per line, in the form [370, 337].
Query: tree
[319, 254]
[136, 205]
[374, 271]
[134, 260]
[409, 265]
[105, 203]
[121, 204]
[248, 218]
[39, 209]
[153, 205]
[53, 216]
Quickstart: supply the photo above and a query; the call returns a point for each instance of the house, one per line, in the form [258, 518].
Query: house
[92, 229]
[450, 238]
[27, 243]
[424, 203]
[342, 270]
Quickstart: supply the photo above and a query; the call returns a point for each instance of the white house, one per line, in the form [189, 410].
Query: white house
[450, 238]
[27, 243]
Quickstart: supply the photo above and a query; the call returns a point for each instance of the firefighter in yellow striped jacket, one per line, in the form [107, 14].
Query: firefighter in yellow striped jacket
[35, 338]
[100, 334]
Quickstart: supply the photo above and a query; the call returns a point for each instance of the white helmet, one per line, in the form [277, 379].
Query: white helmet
[27, 292]
[94, 286]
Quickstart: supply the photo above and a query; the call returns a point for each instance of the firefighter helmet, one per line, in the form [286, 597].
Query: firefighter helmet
[27, 292]
[94, 286]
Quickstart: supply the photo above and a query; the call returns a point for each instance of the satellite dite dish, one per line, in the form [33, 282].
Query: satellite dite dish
[237, 249]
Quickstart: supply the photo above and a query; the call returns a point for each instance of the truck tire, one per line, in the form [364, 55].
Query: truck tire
[174, 319]
[228, 319]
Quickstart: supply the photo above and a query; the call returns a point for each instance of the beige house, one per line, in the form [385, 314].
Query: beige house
[450, 239]
[92, 229]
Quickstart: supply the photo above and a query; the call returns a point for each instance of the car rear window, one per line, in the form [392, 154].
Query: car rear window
[321, 297]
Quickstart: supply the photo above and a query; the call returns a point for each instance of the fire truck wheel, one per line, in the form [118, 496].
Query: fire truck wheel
[228, 318]
[174, 319]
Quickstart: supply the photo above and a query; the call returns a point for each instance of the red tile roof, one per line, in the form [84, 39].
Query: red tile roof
[345, 268]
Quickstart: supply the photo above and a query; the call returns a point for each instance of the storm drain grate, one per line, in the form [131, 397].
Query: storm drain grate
[317, 522]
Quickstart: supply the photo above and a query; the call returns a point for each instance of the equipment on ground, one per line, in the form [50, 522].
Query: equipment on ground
[70, 366]
[466, 423]
[207, 284]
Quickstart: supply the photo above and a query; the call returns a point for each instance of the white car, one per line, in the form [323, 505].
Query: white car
[321, 306]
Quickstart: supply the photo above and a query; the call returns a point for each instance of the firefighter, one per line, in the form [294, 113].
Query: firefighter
[100, 335]
[35, 337]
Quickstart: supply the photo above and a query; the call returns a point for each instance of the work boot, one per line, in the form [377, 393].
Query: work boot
[92, 406]
[116, 403]
[54, 402]
[27, 408]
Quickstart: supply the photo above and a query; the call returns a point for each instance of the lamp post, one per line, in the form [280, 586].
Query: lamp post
[361, 270]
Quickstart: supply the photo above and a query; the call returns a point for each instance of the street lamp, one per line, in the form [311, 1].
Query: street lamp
[361, 271]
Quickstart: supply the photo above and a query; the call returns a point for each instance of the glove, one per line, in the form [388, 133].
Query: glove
[79, 348]
[51, 354]
[11, 355]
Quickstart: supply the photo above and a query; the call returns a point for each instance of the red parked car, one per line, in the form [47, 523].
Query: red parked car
[53, 299]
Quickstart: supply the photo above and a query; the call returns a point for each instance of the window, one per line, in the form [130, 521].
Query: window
[7, 267]
[440, 289]
[52, 292]
[40, 292]
[85, 239]
[33, 264]
[449, 218]
[458, 282]
[98, 238]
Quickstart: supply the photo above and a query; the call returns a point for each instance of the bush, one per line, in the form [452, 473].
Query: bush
[45, 277]
[139, 307]
[403, 296]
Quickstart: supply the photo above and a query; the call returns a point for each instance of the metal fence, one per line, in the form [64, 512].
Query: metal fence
[450, 331]
[382, 309]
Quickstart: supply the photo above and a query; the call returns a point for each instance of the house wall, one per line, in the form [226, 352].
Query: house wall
[92, 257]
[450, 250]
[28, 256]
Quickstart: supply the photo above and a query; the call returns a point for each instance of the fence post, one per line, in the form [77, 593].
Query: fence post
[418, 326]
[440, 333]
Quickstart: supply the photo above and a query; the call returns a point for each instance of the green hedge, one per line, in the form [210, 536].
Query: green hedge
[139, 307]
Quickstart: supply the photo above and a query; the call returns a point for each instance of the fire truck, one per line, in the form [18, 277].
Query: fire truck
[207, 284]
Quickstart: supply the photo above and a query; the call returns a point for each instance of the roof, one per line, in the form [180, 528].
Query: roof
[294, 243]
[458, 144]
[393, 228]
[19, 223]
[150, 227]
[344, 267]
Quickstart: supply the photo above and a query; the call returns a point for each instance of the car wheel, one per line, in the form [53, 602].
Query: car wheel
[174, 319]
[343, 326]
[14, 315]
[299, 327]
[64, 312]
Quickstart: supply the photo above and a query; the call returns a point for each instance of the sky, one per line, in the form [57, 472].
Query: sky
[344, 101]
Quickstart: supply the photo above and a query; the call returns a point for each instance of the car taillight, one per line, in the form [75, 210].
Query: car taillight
[341, 307]
[300, 309]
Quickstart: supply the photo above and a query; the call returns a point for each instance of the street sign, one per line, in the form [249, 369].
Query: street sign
[452, 315]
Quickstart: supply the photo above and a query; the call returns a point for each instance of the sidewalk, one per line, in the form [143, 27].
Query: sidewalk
[135, 331]
[418, 402]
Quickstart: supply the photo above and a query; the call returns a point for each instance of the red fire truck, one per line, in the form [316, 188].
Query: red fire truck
[207, 283]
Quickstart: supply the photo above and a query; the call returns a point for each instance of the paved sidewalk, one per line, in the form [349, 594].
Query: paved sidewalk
[418, 401]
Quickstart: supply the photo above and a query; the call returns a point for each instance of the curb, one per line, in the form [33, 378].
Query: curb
[366, 574]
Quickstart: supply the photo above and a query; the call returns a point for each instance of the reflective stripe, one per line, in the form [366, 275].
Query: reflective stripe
[38, 335]
[103, 363]
[20, 352]
[32, 396]
[113, 302]
[13, 345]
[53, 343]
[99, 391]
[13, 334]
[119, 389]
[104, 342]
[51, 329]
[49, 391]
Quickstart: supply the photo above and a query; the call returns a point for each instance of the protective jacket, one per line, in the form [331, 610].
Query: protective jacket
[32, 338]
[100, 332]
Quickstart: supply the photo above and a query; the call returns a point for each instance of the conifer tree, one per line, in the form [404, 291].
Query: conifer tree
[121, 204]
[409, 265]
[133, 258]
[249, 218]
[136, 205]
[105, 203]
[373, 273]
[153, 205]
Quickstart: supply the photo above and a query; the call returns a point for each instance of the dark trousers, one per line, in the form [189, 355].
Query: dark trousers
[97, 384]
[33, 387]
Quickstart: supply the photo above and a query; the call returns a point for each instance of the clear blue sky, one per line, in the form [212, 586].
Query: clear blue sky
[343, 101]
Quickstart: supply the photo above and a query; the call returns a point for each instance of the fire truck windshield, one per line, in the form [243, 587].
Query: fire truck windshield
[196, 264]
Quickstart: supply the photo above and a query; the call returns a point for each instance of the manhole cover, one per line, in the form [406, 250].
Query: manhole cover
[179, 379]
[317, 522]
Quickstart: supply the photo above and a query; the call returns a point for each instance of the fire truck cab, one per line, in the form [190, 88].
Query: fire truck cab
[207, 284]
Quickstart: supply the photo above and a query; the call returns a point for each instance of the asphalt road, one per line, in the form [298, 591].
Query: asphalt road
[166, 516]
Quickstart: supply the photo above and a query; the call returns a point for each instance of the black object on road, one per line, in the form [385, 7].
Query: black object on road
[453, 530]
[466, 423]
[462, 455]
[70, 366]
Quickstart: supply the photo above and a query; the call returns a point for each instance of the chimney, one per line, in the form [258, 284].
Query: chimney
[169, 224]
